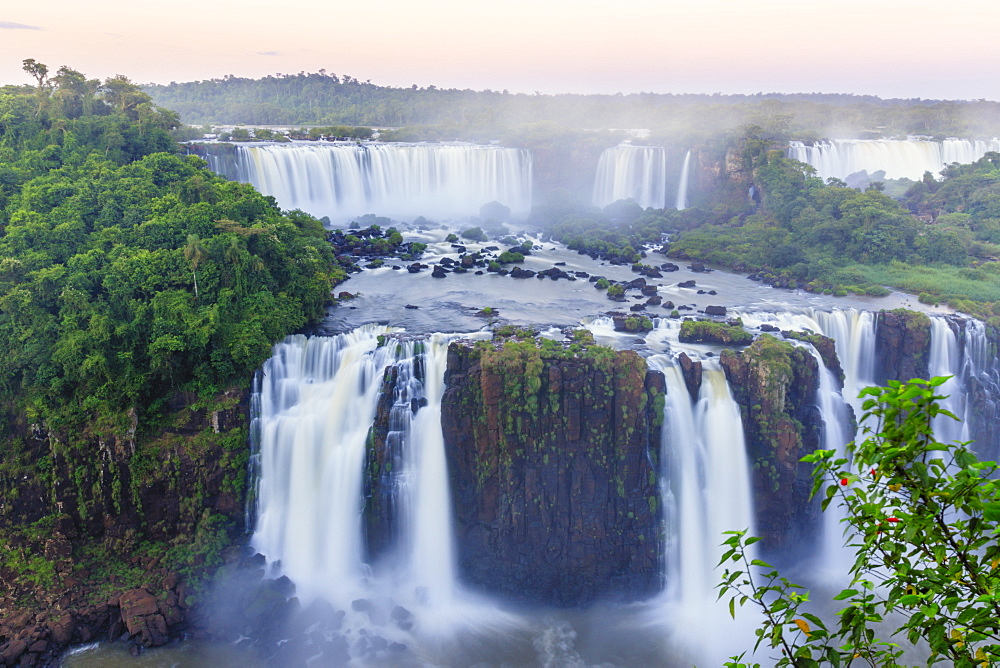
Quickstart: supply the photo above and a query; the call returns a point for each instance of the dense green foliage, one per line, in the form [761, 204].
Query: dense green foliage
[922, 517]
[127, 273]
[324, 98]
[834, 238]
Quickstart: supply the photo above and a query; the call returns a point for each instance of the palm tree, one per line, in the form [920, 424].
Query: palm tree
[194, 253]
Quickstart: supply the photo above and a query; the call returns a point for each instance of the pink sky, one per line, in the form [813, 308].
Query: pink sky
[888, 48]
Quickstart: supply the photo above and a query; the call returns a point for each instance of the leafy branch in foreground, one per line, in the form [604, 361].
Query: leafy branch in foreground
[923, 518]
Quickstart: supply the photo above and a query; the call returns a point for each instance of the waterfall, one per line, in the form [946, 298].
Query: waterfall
[343, 181]
[853, 333]
[834, 558]
[682, 187]
[706, 490]
[908, 158]
[945, 360]
[432, 551]
[632, 172]
[317, 401]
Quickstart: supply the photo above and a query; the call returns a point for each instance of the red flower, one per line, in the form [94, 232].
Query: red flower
[892, 519]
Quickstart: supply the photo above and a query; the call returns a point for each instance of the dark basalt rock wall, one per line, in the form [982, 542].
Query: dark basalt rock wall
[775, 384]
[902, 345]
[553, 462]
[77, 565]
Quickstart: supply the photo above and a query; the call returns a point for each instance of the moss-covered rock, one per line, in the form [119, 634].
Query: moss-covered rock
[775, 383]
[825, 346]
[553, 452]
[720, 333]
[89, 516]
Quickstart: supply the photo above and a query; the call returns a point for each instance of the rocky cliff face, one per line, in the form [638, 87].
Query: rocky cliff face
[775, 384]
[554, 470]
[902, 345]
[94, 527]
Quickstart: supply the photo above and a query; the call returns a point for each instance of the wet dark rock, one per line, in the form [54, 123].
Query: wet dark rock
[667, 304]
[692, 372]
[558, 511]
[415, 267]
[636, 284]
[768, 328]
[517, 272]
[649, 290]
[775, 383]
[697, 267]
[439, 272]
[715, 310]
[686, 284]
[902, 345]
[411, 306]
[669, 267]
[635, 308]
[417, 404]
[654, 301]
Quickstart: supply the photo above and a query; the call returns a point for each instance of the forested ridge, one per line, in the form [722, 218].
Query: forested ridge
[321, 98]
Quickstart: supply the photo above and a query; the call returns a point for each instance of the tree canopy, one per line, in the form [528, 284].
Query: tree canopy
[129, 272]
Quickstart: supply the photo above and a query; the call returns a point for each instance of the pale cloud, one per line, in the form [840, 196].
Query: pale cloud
[10, 25]
[268, 53]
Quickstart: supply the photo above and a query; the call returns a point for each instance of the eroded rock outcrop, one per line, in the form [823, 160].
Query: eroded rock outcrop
[553, 457]
[775, 383]
[902, 345]
[116, 512]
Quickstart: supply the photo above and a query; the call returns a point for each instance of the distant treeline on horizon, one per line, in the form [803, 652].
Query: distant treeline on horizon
[321, 98]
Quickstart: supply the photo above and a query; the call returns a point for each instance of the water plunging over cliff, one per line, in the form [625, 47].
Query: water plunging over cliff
[682, 186]
[636, 172]
[321, 402]
[317, 402]
[401, 180]
[945, 360]
[908, 158]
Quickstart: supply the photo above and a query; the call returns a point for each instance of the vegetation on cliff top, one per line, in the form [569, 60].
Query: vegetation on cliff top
[826, 236]
[128, 273]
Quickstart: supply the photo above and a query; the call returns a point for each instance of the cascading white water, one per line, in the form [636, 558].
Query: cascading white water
[706, 491]
[431, 544]
[632, 172]
[834, 559]
[853, 332]
[398, 180]
[908, 158]
[317, 401]
[945, 360]
[682, 186]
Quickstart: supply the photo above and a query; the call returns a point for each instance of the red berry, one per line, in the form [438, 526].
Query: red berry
[843, 481]
[892, 519]
[872, 471]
